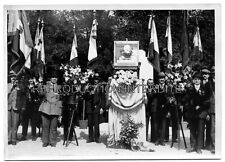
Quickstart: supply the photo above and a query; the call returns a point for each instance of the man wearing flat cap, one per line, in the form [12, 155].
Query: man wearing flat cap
[197, 112]
[206, 84]
[16, 104]
[211, 111]
[51, 109]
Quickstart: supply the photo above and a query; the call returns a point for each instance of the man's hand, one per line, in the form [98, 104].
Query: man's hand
[101, 111]
[181, 108]
[197, 107]
[168, 115]
[207, 117]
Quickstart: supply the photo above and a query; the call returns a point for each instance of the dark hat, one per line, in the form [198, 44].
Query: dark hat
[53, 74]
[197, 75]
[205, 71]
[161, 75]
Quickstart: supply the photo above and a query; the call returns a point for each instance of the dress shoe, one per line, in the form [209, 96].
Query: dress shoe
[97, 141]
[199, 151]
[9, 142]
[34, 138]
[212, 151]
[190, 150]
[23, 138]
[44, 144]
[157, 143]
[14, 143]
[89, 141]
[175, 141]
[162, 144]
[53, 145]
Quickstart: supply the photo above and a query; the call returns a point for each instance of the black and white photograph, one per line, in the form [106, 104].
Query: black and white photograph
[112, 82]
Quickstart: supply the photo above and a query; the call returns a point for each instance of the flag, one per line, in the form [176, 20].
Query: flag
[37, 33]
[19, 41]
[198, 44]
[169, 39]
[74, 48]
[40, 46]
[184, 42]
[153, 52]
[92, 51]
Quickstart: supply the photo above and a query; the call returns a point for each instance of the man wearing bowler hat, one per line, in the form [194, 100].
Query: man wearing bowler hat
[162, 110]
[51, 110]
[16, 104]
[94, 109]
[197, 112]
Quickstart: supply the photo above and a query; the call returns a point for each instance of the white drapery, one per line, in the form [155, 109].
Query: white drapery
[121, 106]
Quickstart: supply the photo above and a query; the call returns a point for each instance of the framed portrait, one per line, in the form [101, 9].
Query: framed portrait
[126, 53]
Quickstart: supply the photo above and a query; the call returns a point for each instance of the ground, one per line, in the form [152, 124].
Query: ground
[25, 150]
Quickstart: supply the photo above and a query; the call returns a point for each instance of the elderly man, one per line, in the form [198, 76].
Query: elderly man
[16, 104]
[197, 112]
[162, 110]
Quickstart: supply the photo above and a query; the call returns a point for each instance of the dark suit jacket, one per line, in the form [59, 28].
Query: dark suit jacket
[94, 100]
[198, 98]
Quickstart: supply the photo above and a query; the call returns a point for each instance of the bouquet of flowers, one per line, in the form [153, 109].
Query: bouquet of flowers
[86, 75]
[129, 132]
[126, 80]
[72, 75]
[177, 77]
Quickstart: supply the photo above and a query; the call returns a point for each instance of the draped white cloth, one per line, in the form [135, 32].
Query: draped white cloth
[121, 105]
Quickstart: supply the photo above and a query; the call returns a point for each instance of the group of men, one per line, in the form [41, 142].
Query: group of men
[44, 107]
[196, 103]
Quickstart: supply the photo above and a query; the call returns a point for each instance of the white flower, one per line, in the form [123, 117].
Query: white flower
[179, 64]
[66, 78]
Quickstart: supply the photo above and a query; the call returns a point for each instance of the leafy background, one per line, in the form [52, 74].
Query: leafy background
[117, 25]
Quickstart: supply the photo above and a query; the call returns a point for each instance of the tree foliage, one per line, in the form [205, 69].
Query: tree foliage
[117, 25]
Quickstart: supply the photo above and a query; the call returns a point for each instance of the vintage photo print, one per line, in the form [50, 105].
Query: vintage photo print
[112, 82]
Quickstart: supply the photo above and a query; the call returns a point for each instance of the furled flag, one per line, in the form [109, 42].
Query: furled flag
[169, 39]
[92, 51]
[198, 44]
[19, 41]
[153, 53]
[40, 46]
[74, 47]
[37, 35]
[184, 42]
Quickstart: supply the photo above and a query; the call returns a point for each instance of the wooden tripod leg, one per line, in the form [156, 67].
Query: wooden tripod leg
[71, 121]
[75, 135]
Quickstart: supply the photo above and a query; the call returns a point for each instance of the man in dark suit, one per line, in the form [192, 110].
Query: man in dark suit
[197, 112]
[207, 132]
[151, 108]
[162, 110]
[93, 109]
[16, 104]
[31, 112]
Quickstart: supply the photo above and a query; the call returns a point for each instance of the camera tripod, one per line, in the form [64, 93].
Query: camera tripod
[71, 127]
[179, 127]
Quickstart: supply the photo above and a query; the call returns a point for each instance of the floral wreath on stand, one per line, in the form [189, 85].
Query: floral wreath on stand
[125, 81]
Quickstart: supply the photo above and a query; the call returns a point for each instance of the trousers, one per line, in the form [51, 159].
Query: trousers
[49, 128]
[13, 123]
